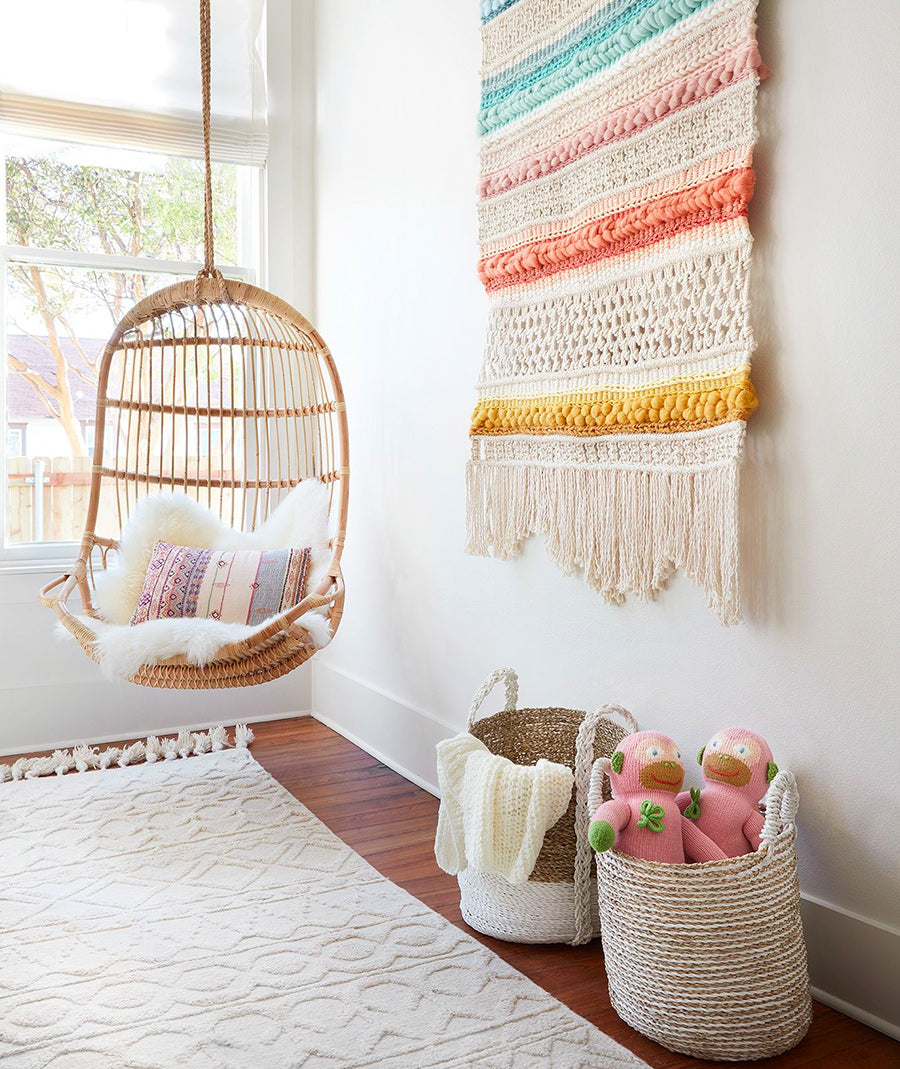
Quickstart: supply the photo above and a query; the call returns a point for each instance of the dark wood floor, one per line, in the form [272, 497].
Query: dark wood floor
[391, 822]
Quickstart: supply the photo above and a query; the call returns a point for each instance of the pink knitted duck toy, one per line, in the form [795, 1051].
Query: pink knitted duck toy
[646, 773]
[737, 767]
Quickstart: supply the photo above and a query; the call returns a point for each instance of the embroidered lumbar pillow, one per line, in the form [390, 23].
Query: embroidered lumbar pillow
[244, 586]
[642, 819]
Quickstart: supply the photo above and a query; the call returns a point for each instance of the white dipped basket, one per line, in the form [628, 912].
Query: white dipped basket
[558, 902]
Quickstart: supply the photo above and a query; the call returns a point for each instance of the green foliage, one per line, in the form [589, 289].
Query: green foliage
[157, 214]
[154, 213]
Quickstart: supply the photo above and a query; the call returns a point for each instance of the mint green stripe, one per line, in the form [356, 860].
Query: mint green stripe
[601, 25]
[588, 61]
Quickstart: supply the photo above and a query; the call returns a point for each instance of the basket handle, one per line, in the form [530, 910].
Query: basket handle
[510, 682]
[782, 803]
[585, 791]
[600, 768]
[620, 711]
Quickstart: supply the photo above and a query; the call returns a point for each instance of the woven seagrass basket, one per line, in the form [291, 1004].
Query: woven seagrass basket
[558, 903]
[709, 960]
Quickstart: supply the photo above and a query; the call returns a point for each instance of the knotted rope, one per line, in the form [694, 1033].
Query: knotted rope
[209, 269]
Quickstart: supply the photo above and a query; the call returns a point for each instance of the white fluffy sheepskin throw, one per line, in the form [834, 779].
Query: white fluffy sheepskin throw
[300, 520]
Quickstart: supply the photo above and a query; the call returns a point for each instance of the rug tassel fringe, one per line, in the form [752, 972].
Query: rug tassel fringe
[82, 758]
[626, 529]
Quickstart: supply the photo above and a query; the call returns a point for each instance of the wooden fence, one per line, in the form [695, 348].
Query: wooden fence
[47, 497]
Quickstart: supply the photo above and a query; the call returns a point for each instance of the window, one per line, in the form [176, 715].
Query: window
[88, 231]
[15, 440]
[101, 204]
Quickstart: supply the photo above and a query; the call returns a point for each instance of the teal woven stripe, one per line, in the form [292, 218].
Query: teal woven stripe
[490, 8]
[650, 22]
[601, 25]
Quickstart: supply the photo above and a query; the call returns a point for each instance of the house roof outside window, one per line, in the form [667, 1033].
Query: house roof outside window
[22, 403]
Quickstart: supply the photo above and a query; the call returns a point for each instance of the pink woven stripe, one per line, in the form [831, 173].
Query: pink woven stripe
[725, 70]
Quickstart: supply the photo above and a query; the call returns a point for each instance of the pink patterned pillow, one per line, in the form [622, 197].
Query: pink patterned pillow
[243, 586]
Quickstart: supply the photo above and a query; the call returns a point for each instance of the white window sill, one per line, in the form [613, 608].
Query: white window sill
[50, 565]
[21, 583]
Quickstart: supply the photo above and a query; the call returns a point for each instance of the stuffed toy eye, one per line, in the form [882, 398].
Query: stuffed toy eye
[714, 745]
[741, 750]
[654, 751]
[678, 754]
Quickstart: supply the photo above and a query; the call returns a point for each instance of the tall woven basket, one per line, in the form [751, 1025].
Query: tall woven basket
[558, 903]
[709, 960]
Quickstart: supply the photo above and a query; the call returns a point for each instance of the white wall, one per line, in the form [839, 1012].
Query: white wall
[815, 667]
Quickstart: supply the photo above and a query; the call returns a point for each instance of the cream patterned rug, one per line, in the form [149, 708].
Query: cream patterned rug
[194, 914]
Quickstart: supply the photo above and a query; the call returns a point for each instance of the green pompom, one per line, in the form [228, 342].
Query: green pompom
[616, 761]
[601, 836]
[771, 771]
[700, 755]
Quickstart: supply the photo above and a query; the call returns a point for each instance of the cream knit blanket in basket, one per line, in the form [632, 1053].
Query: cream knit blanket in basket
[494, 813]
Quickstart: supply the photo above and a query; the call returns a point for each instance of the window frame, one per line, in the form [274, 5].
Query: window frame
[22, 428]
[277, 258]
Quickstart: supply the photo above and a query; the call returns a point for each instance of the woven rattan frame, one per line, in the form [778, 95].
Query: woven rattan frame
[289, 409]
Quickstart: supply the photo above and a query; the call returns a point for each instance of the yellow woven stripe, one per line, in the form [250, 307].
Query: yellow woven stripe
[674, 406]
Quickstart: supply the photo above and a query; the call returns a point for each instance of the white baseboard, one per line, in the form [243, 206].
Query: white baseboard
[364, 714]
[141, 733]
[854, 962]
[384, 758]
[878, 1023]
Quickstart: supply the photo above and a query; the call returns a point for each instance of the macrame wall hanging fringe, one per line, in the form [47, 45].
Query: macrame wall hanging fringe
[616, 170]
[83, 758]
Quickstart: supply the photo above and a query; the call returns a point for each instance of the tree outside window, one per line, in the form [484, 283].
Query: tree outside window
[85, 229]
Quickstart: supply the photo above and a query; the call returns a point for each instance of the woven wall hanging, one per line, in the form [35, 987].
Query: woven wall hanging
[616, 170]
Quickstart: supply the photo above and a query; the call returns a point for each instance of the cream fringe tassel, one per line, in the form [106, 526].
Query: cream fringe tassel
[83, 757]
[627, 528]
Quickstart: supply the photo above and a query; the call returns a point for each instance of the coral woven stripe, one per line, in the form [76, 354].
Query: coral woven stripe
[616, 174]
[720, 198]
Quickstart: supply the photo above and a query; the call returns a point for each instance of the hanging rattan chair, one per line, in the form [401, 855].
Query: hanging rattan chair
[222, 391]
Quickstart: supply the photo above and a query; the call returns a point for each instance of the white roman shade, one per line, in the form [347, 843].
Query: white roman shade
[126, 72]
